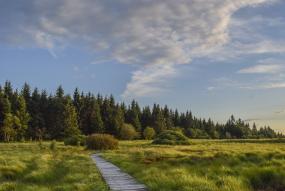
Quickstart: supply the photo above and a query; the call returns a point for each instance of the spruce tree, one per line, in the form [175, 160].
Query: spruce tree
[70, 123]
[8, 132]
[96, 122]
[22, 118]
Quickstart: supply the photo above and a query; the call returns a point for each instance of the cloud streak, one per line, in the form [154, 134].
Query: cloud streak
[261, 69]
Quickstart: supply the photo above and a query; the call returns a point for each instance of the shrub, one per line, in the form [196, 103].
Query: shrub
[101, 142]
[171, 138]
[149, 133]
[127, 132]
[267, 179]
[75, 140]
[52, 146]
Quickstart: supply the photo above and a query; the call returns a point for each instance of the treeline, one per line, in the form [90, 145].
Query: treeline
[32, 114]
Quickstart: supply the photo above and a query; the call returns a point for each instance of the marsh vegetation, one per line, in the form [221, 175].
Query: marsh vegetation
[205, 165]
[48, 166]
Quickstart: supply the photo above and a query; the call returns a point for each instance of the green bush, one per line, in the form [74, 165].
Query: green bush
[75, 140]
[171, 138]
[267, 179]
[52, 146]
[128, 132]
[101, 142]
[149, 133]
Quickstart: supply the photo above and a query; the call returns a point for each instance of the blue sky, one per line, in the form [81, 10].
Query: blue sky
[216, 58]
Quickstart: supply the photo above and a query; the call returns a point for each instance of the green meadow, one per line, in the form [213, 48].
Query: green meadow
[47, 167]
[206, 165]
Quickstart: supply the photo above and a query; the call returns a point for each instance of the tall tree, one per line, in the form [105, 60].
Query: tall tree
[22, 118]
[70, 123]
[96, 122]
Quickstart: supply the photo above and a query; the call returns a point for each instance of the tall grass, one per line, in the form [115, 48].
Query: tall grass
[205, 165]
[47, 167]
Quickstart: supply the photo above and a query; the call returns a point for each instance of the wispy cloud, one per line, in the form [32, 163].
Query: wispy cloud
[261, 69]
[151, 80]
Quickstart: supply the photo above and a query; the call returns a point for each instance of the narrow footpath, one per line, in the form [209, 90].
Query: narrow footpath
[116, 179]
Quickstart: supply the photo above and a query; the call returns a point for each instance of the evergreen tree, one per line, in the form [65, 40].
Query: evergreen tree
[159, 123]
[22, 118]
[168, 118]
[37, 122]
[39, 116]
[133, 116]
[7, 129]
[5, 108]
[70, 123]
[146, 119]
[96, 122]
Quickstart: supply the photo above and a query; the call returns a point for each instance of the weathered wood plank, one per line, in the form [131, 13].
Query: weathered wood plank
[116, 179]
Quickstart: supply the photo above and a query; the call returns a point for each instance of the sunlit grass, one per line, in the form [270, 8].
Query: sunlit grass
[205, 165]
[35, 167]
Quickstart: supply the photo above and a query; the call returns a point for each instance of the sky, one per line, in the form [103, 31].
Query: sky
[213, 57]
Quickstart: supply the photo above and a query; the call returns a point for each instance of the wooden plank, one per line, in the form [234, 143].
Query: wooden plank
[116, 179]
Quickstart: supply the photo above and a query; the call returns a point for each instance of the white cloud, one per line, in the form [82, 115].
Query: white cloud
[150, 80]
[156, 36]
[261, 69]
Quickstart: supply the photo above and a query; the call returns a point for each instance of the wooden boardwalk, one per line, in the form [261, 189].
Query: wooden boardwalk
[115, 178]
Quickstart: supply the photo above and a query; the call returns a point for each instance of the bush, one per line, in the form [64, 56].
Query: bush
[75, 140]
[101, 142]
[267, 179]
[149, 133]
[52, 146]
[171, 138]
[127, 132]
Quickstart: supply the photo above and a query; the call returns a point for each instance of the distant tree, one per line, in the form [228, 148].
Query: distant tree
[22, 118]
[5, 108]
[26, 93]
[55, 116]
[146, 118]
[77, 102]
[133, 116]
[6, 120]
[96, 122]
[117, 121]
[159, 123]
[254, 131]
[70, 122]
[9, 133]
[168, 118]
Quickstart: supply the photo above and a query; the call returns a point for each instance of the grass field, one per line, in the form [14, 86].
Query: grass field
[205, 165]
[36, 167]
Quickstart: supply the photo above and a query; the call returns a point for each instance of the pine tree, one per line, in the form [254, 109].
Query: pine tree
[146, 119]
[70, 123]
[77, 101]
[159, 122]
[22, 118]
[133, 116]
[6, 119]
[55, 117]
[26, 93]
[5, 108]
[37, 121]
[8, 131]
[96, 122]
[168, 118]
